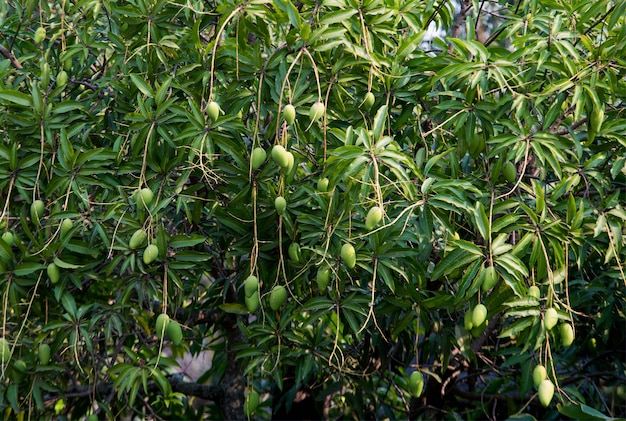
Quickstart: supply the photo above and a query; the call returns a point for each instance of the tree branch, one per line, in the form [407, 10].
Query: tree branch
[9, 55]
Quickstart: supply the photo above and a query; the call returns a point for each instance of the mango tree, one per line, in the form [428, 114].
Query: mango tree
[350, 209]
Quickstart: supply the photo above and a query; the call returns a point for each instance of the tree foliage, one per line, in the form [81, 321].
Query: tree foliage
[423, 177]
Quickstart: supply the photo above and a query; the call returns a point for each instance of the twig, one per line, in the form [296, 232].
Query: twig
[9, 55]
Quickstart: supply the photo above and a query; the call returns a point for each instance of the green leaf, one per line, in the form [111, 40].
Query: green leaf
[482, 221]
[181, 241]
[65, 265]
[337, 16]
[379, 123]
[579, 411]
[16, 97]
[455, 259]
[142, 85]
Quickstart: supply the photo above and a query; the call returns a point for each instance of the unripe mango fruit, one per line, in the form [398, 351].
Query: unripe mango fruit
[145, 196]
[40, 35]
[294, 252]
[534, 291]
[467, 320]
[323, 277]
[36, 211]
[539, 374]
[509, 172]
[567, 334]
[257, 158]
[374, 216]
[44, 354]
[62, 79]
[251, 285]
[280, 156]
[416, 383]
[348, 255]
[289, 114]
[550, 318]
[322, 185]
[278, 295]
[478, 330]
[250, 404]
[5, 351]
[479, 315]
[252, 302]
[280, 204]
[368, 100]
[53, 273]
[150, 254]
[317, 111]
[8, 238]
[66, 226]
[162, 322]
[213, 110]
[174, 332]
[137, 239]
[546, 391]
[490, 278]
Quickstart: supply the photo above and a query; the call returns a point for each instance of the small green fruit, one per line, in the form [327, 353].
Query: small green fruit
[294, 252]
[62, 79]
[289, 114]
[36, 211]
[317, 111]
[20, 365]
[546, 391]
[478, 330]
[467, 320]
[53, 273]
[509, 172]
[213, 110]
[257, 158]
[18, 372]
[251, 403]
[416, 383]
[162, 322]
[323, 278]
[66, 226]
[291, 161]
[368, 100]
[348, 255]
[251, 285]
[490, 278]
[550, 318]
[45, 74]
[8, 238]
[280, 204]
[150, 254]
[322, 185]
[174, 332]
[280, 156]
[252, 302]
[539, 374]
[278, 295]
[5, 351]
[592, 344]
[40, 35]
[567, 334]
[137, 239]
[44, 354]
[479, 314]
[374, 216]
[534, 291]
[145, 196]
[92, 417]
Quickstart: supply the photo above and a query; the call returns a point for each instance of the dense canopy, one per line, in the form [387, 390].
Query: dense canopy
[338, 209]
